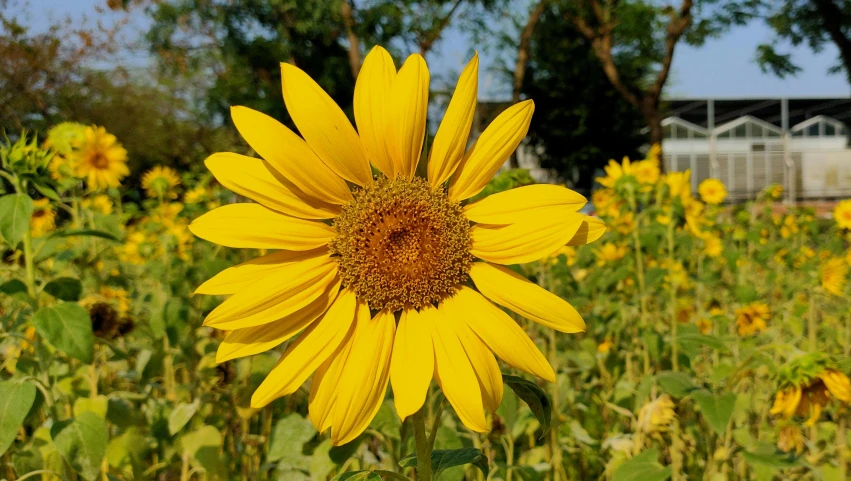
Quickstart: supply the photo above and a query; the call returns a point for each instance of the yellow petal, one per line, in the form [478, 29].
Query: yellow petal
[257, 339]
[257, 227]
[516, 205]
[309, 351]
[323, 389]
[234, 279]
[513, 291]
[372, 106]
[483, 362]
[273, 297]
[290, 155]
[324, 126]
[255, 179]
[449, 144]
[592, 228]
[407, 115]
[363, 381]
[491, 150]
[454, 372]
[499, 332]
[540, 235]
[412, 366]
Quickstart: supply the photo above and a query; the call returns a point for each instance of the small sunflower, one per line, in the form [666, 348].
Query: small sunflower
[43, 218]
[834, 274]
[712, 191]
[842, 214]
[160, 182]
[382, 292]
[656, 416]
[99, 159]
[100, 203]
[752, 318]
[679, 185]
[712, 246]
[609, 252]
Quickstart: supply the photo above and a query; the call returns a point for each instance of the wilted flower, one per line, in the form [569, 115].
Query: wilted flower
[790, 439]
[656, 416]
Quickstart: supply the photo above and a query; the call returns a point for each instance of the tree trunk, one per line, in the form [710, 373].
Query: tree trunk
[523, 60]
[354, 41]
[653, 117]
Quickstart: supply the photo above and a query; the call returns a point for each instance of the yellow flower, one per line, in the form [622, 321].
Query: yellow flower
[117, 297]
[100, 203]
[100, 159]
[609, 252]
[712, 246]
[656, 416]
[197, 195]
[679, 184]
[396, 245]
[568, 252]
[647, 171]
[614, 171]
[842, 214]
[834, 274]
[773, 192]
[61, 139]
[704, 325]
[752, 319]
[605, 347]
[789, 227]
[131, 251]
[43, 218]
[159, 182]
[712, 191]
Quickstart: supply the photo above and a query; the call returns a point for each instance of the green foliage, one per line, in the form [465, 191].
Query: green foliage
[68, 327]
[15, 212]
[535, 398]
[82, 442]
[16, 399]
[444, 459]
[643, 467]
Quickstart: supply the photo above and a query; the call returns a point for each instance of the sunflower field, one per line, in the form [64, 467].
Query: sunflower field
[299, 314]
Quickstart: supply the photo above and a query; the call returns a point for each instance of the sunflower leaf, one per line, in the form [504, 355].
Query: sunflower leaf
[643, 467]
[68, 327]
[86, 232]
[442, 459]
[364, 475]
[15, 213]
[16, 399]
[535, 398]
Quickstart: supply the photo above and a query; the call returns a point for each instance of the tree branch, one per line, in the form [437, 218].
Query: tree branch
[832, 17]
[523, 48]
[354, 41]
[680, 20]
[428, 42]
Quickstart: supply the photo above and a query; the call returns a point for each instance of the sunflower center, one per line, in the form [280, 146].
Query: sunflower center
[401, 243]
[99, 160]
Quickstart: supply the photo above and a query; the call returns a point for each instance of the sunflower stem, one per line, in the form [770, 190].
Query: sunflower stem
[423, 447]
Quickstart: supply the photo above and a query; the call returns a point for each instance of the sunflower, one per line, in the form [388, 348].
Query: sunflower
[609, 252]
[100, 203]
[43, 218]
[809, 396]
[833, 276]
[712, 191]
[752, 318]
[656, 416]
[375, 276]
[100, 159]
[160, 181]
[842, 214]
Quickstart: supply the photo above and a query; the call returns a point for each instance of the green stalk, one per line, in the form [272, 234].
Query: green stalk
[675, 363]
[423, 447]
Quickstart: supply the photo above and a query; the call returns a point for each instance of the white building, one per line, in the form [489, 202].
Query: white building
[749, 144]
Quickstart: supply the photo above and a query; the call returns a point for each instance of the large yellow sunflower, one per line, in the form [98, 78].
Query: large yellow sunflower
[374, 271]
[100, 159]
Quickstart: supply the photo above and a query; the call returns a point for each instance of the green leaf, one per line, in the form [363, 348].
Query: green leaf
[643, 467]
[702, 340]
[717, 410]
[15, 213]
[768, 456]
[82, 442]
[204, 437]
[86, 232]
[68, 327]
[65, 288]
[676, 384]
[16, 399]
[357, 476]
[13, 287]
[47, 192]
[289, 436]
[181, 415]
[535, 398]
[447, 458]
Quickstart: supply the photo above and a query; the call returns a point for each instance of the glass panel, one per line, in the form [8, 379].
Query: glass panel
[725, 135]
[812, 130]
[699, 135]
[741, 131]
[758, 147]
[829, 130]
[756, 131]
[798, 133]
[771, 133]
[666, 132]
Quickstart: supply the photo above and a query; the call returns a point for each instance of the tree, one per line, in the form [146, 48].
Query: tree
[649, 34]
[814, 22]
[580, 121]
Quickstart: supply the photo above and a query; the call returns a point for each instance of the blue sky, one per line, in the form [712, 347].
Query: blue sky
[722, 68]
